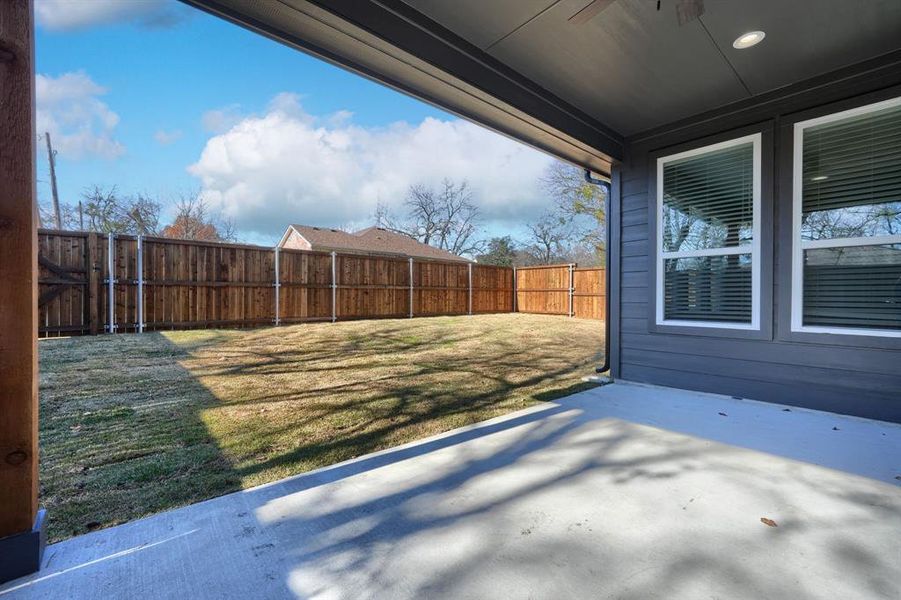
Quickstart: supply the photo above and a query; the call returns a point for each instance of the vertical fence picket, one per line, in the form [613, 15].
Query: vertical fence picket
[111, 282]
[411, 287]
[94, 293]
[469, 278]
[140, 274]
[278, 285]
[515, 294]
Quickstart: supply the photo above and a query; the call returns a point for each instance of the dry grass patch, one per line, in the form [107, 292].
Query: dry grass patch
[135, 424]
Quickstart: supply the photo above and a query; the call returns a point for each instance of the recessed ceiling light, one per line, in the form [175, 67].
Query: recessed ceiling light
[746, 40]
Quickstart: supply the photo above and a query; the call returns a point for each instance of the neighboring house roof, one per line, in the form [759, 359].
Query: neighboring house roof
[375, 240]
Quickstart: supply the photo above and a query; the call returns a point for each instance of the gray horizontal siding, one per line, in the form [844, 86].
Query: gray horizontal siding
[820, 397]
[853, 379]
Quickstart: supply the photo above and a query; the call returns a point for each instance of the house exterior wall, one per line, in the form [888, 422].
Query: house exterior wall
[857, 375]
[296, 241]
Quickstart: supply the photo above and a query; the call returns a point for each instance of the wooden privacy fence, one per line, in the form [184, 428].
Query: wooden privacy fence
[161, 283]
[561, 290]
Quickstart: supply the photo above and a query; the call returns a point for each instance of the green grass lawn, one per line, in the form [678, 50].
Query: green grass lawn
[136, 424]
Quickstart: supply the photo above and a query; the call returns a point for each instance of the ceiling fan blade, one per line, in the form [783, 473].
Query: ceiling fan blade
[689, 10]
[589, 11]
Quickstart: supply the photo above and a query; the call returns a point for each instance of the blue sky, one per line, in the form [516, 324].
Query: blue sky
[176, 100]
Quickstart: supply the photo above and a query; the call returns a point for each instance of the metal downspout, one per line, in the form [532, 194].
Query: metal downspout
[605, 183]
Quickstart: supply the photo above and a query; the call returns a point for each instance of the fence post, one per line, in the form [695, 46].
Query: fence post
[571, 283]
[469, 274]
[278, 286]
[111, 282]
[334, 290]
[411, 287]
[140, 260]
[93, 283]
[514, 290]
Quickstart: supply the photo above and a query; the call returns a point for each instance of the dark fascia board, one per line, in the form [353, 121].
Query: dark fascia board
[822, 89]
[393, 44]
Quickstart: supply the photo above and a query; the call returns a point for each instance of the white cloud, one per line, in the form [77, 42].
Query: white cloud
[78, 14]
[220, 120]
[164, 138]
[80, 124]
[286, 166]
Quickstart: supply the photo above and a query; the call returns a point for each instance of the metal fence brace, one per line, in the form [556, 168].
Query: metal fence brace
[278, 286]
[111, 282]
[469, 274]
[411, 287]
[334, 290]
[140, 269]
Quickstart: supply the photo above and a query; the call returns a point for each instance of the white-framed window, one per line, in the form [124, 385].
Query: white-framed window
[846, 248]
[708, 236]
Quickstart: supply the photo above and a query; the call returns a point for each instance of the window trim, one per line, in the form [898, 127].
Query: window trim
[753, 249]
[799, 245]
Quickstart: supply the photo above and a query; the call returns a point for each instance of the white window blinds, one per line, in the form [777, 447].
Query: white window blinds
[708, 205]
[848, 221]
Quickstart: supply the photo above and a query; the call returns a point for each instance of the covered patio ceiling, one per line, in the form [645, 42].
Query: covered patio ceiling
[579, 77]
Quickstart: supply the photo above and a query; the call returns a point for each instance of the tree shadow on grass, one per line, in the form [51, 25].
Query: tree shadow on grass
[133, 425]
[121, 432]
[348, 398]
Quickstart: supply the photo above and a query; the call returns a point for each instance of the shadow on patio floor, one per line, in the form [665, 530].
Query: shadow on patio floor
[615, 492]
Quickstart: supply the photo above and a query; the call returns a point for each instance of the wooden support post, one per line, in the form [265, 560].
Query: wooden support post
[21, 539]
[571, 282]
[411, 287]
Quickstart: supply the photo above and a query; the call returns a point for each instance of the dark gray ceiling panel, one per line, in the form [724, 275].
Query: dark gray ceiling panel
[576, 86]
[481, 22]
[803, 39]
[631, 63]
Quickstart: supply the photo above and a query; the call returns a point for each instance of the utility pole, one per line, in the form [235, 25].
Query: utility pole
[51, 156]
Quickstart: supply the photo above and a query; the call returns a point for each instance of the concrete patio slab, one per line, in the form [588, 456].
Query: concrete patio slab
[624, 491]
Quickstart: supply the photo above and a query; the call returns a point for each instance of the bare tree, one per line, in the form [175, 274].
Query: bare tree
[69, 218]
[549, 239]
[426, 214]
[144, 214]
[386, 219]
[579, 203]
[193, 221]
[445, 217]
[106, 211]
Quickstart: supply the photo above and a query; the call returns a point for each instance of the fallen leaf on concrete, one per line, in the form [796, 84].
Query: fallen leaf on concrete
[723, 415]
[835, 429]
[768, 522]
[786, 410]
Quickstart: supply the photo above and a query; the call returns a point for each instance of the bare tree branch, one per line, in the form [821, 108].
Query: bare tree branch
[446, 217]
